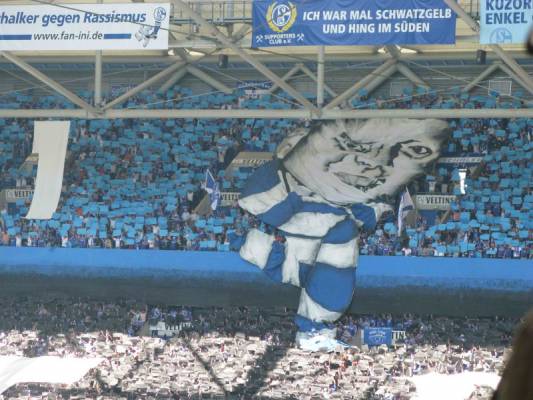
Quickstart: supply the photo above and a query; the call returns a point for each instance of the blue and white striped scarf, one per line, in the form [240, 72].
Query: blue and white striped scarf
[316, 246]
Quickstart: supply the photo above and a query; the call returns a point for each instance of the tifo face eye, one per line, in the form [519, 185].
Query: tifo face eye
[417, 151]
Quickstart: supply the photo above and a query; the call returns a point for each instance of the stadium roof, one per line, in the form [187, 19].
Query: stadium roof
[202, 30]
[234, 19]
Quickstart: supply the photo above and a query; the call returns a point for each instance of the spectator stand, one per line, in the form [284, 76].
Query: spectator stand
[135, 183]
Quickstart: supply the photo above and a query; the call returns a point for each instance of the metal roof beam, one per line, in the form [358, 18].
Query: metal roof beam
[481, 77]
[393, 51]
[244, 55]
[166, 59]
[146, 84]
[515, 77]
[98, 79]
[514, 66]
[351, 91]
[320, 78]
[204, 77]
[506, 58]
[285, 77]
[380, 80]
[310, 74]
[48, 81]
[490, 70]
[178, 75]
[409, 74]
[404, 69]
[272, 114]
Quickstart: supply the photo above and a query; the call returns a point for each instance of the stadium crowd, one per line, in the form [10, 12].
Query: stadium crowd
[135, 184]
[239, 353]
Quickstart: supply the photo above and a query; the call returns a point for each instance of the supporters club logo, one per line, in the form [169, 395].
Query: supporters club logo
[281, 16]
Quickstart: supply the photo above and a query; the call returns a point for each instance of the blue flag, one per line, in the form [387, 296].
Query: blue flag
[212, 188]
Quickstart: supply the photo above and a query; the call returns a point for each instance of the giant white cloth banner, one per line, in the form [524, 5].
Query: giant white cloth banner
[50, 142]
[459, 386]
[14, 370]
[84, 27]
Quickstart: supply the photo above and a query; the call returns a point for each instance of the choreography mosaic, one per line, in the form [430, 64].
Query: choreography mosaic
[325, 184]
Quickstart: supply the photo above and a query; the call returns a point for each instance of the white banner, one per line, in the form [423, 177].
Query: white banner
[52, 139]
[85, 27]
[434, 201]
[47, 369]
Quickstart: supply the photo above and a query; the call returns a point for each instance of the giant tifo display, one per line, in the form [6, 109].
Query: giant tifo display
[263, 200]
[140, 189]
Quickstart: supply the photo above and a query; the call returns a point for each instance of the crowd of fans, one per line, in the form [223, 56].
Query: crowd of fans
[239, 352]
[135, 183]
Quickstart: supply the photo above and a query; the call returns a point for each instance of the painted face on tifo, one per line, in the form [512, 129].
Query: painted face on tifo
[359, 161]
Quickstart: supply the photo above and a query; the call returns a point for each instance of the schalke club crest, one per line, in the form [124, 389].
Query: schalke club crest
[501, 36]
[281, 16]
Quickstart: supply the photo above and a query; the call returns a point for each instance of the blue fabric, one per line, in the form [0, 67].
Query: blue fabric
[321, 208]
[343, 232]
[303, 273]
[264, 178]
[306, 325]
[283, 211]
[235, 241]
[366, 215]
[273, 267]
[331, 287]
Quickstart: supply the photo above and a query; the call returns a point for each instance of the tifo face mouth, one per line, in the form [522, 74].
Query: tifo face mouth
[363, 183]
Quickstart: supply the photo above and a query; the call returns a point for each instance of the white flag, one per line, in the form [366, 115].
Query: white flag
[406, 205]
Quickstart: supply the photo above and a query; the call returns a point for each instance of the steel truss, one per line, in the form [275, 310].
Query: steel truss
[272, 114]
[338, 107]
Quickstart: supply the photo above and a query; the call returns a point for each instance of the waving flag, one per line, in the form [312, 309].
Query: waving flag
[212, 189]
[406, 206]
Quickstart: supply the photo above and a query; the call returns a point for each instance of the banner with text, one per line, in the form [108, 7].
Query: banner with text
[351, 22]
[12, 195]
[434, 201]
[85, 27]
[468, 160]
[377, 336]
[505, 21]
